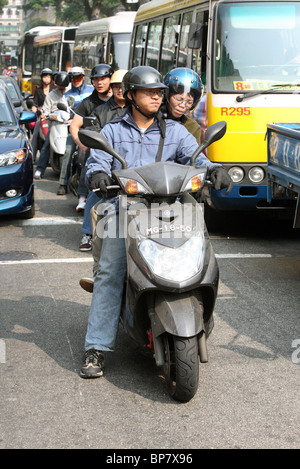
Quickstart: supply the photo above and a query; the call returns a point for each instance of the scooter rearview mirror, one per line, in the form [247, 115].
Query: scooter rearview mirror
[92, 139]
[62, 107]
[213, 133]
[89, 121]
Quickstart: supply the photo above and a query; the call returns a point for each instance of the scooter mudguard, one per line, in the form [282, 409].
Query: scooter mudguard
[44, 128]
[178, 314]
[58, 137]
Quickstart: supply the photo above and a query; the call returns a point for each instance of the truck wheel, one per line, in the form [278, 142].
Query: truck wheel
[181, 369]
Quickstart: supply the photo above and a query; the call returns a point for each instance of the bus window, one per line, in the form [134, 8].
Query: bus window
[183, 48]
[252, 46]
[119, 50]
[66, 59]
[169, 44]
[199, 55]
[37, 64]
[153, 43]
[139, 46]
[28, 57]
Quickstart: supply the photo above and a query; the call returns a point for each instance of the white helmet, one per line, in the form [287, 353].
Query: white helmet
[76, 72]
[117, 77]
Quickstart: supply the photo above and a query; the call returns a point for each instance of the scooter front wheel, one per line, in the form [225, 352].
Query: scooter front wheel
[181, 369]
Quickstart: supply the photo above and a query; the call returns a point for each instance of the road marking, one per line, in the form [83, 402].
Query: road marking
[240, 255]
[90, 259]
[49, 261]
[46, 221]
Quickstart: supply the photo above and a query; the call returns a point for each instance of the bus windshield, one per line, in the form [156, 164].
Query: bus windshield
[28, 54]
[119, 50]
[257, 46]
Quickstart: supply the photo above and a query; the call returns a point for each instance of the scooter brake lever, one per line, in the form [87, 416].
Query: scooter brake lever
[112, 191]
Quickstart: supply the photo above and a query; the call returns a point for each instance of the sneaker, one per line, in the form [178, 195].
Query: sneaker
[93, 364]
[87, 284]
[62, 190]
[37, 174]
[81, 204]
[85, 243]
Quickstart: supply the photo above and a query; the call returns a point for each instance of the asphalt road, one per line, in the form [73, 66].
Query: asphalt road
[249, 390]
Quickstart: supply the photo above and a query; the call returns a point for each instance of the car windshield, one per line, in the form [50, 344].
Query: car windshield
[6, 114]
[257, 46]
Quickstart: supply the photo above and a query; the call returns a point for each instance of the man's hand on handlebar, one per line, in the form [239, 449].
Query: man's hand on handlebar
[220, 179]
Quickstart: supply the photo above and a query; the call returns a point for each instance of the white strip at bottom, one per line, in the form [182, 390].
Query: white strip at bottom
[240, 255]
[78, 260]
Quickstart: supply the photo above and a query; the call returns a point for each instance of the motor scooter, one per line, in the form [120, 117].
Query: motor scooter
[172, 273]
[78, 157]
[58, 134]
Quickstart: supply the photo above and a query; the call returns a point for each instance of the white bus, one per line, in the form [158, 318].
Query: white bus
[25, 55]
[106, 40]
[53, 50]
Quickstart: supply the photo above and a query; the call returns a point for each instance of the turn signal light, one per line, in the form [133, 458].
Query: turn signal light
[196, 183]
[20, 156]
[131, 187]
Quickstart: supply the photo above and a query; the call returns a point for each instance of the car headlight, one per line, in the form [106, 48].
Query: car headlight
[236, 173]
[12, 157]
[175, 264]
[256, 174]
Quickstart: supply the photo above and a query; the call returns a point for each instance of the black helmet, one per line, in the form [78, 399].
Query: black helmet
[62, 79]
[46, 71]
[142, 77]
[102, 70]
[139, 78]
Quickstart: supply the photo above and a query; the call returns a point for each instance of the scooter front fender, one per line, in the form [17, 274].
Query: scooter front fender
[178, 314]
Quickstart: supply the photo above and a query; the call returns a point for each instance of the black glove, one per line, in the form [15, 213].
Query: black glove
[100, 180]
[220, 179]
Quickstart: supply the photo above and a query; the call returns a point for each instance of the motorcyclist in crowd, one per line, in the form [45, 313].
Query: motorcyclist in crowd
[62, 80]
[100, 77]
[79, 90]
[184, 93]
[104, 113]
[38, 100]
[136, 136]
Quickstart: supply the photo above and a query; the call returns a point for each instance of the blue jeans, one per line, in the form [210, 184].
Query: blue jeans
[44, 155]
[108, 289]
[66, 161]
[91, 200]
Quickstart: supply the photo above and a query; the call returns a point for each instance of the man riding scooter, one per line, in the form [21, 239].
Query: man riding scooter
[136, 136]
[79, 90]
[50, 106]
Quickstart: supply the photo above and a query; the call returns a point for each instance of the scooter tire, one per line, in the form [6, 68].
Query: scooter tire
[181, 369]
[55, 163]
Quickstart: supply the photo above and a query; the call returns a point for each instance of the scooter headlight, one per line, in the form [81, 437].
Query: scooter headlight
[174, 264]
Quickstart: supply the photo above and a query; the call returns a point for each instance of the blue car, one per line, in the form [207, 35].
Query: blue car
[16, 166]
